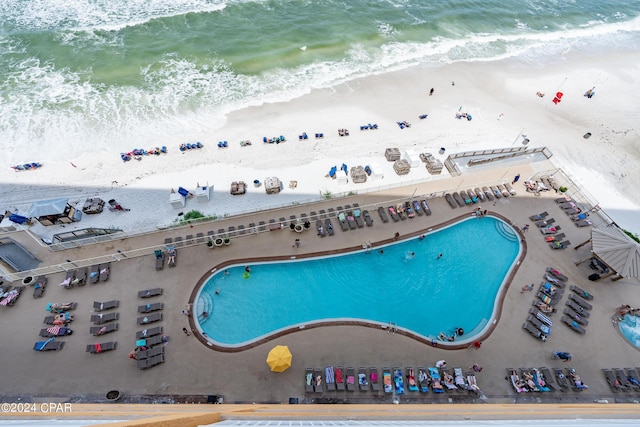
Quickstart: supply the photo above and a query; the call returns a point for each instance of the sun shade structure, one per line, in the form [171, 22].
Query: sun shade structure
[617, 250]
[48, 207]
[279, 358]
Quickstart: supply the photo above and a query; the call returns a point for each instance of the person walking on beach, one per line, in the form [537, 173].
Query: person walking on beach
[515, 179]
[525, 228]
[431, 92]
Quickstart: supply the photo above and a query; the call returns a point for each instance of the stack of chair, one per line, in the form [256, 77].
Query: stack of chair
[401, 166]
[392, 154]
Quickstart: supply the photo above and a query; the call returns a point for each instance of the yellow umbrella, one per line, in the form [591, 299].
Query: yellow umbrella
[279, 358]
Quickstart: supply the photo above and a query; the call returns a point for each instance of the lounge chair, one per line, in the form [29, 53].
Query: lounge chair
[545, 222]
[342, 218]
[541, 317]
[473, 383]
[551, 290]
[394, 215]
[554, 280]
[497, 194]
[102, 306]
[577, 384]
[580, 301]
[535, 332]
[557, 274]
[151, 352]
[580, 216]
[449, 198]
[150, 362]
[613, 382]
[575, 316]
[583, 223]
[105, 271]
[582, 293]
[423, 379]
[150, 332]
[505, 193]
[561, 378]
[330, 378]
[101, 347]
[488, 194]
[152, 318]
[547, 299]
[465, 197]
[412, 382]
[329, 227]
[159, 259]
[102, 330]
[459, 379]
[542, 327]
[622, 379]
[350, 379]
[55, 331]
[509, 188]
[148, 308]
[363, 380]
[317, 380]
[632, 377]
[383, 215]
[539, 217]
[172, 255]
[61, 307]
[565, 199]
[518, 385]
[340, 378]
[567, 205]
[357, 215]
[548, 379]
[527, 377]
[425, 207]
[560, 245]
[458, 198]
[308, 380]
[148, 293]
[81, 276]
[94, 274]
[351, 221]
[367, 218]
[67, 283]
[398, 380]
[416, 208]
[322, 232]
[436, 384]
[40, 286]
[48, 345]
[374, 380]
[151, 341]
[575, 211]
[578, 309]
[387, 381]
[472, 195]
[550, 230]
[102, 318]
[449, 380]
[574, 325]
[539, 380]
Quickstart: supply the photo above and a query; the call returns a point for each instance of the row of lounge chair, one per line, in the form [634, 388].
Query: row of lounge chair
[350, 220]
[318, 380]
[404, 210]
[9, 297]
[619, 379]
[100, 273]
[579, 217]
[542, 379]
[538, 322]
[149, 351]
[104, 321]
[577, 309]
[476, 195]
[59, 320]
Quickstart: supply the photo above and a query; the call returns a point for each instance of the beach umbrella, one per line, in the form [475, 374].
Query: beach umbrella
[279, 358]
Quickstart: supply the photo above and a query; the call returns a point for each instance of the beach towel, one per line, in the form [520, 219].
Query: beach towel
[362, 379]
[329, 375]
[97, 347]
[339, 378]
[309, 378]
[388, 388]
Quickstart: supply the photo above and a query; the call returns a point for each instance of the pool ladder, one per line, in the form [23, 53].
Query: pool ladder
[392, 328]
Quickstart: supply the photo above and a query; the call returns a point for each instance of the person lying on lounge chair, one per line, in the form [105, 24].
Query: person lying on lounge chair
[577, 380]
[545, 308]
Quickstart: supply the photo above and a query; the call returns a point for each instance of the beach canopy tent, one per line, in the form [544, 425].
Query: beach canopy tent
[279, 358]
[54, 211]
[617, 250]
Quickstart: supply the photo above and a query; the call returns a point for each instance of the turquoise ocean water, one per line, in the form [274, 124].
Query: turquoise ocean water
[105, 74]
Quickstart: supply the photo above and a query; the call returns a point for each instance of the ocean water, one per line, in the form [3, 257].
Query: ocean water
[110, 75]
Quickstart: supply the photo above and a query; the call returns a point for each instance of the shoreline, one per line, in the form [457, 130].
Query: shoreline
[500, 95]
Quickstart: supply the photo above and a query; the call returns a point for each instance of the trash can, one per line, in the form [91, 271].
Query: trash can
[256, 183]
[114, 396]
[293, 401]
[594, 277]
[442, 150]
[587, 135]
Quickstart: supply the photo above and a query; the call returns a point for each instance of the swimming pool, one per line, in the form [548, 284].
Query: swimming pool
[418, 293]
[630, 328]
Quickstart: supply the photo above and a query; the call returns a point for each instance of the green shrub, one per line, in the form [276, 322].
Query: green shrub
[193, 215]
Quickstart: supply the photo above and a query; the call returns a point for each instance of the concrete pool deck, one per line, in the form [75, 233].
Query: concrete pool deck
[192, 369]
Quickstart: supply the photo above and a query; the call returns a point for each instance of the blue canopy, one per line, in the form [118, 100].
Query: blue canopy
[344, 168]
[332, 172]
[18, 219]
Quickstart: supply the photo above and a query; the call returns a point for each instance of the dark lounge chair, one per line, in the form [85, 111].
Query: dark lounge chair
[330, 378]
[342, 219]
[105, 271]
[94, 275]
[367, 218]
[561, 378]
[308, 380]
[318, 380]
[148, 308]
[102, 318]
[580, 301]
[374, 379]
[152, 318]
[101, 330]
[535, 332]
[40, 286]
[383, 215]
[149, 353]
[363, 379]
[340, 378]
[350, 379]
[582, 293]
[81, 276]
[48, 345]
[549, 379]
[148, 293]
[574, 325]
[575, 316]
[101, 347]
[329, 227]
[613, 382]
[578, 309]
[150, 362]
[102, 306]
[150, 332]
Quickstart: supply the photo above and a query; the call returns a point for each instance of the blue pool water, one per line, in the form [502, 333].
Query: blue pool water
[630, 329]
[419, 293]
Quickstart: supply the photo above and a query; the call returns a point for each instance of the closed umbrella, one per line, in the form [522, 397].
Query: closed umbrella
[279, 358]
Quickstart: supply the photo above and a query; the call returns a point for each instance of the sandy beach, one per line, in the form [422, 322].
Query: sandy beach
[500, 96]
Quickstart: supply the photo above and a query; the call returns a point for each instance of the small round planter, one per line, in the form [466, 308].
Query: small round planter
[218, 242]
[227, 242]
[27, 280]
[114, 396]
[298, 228]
